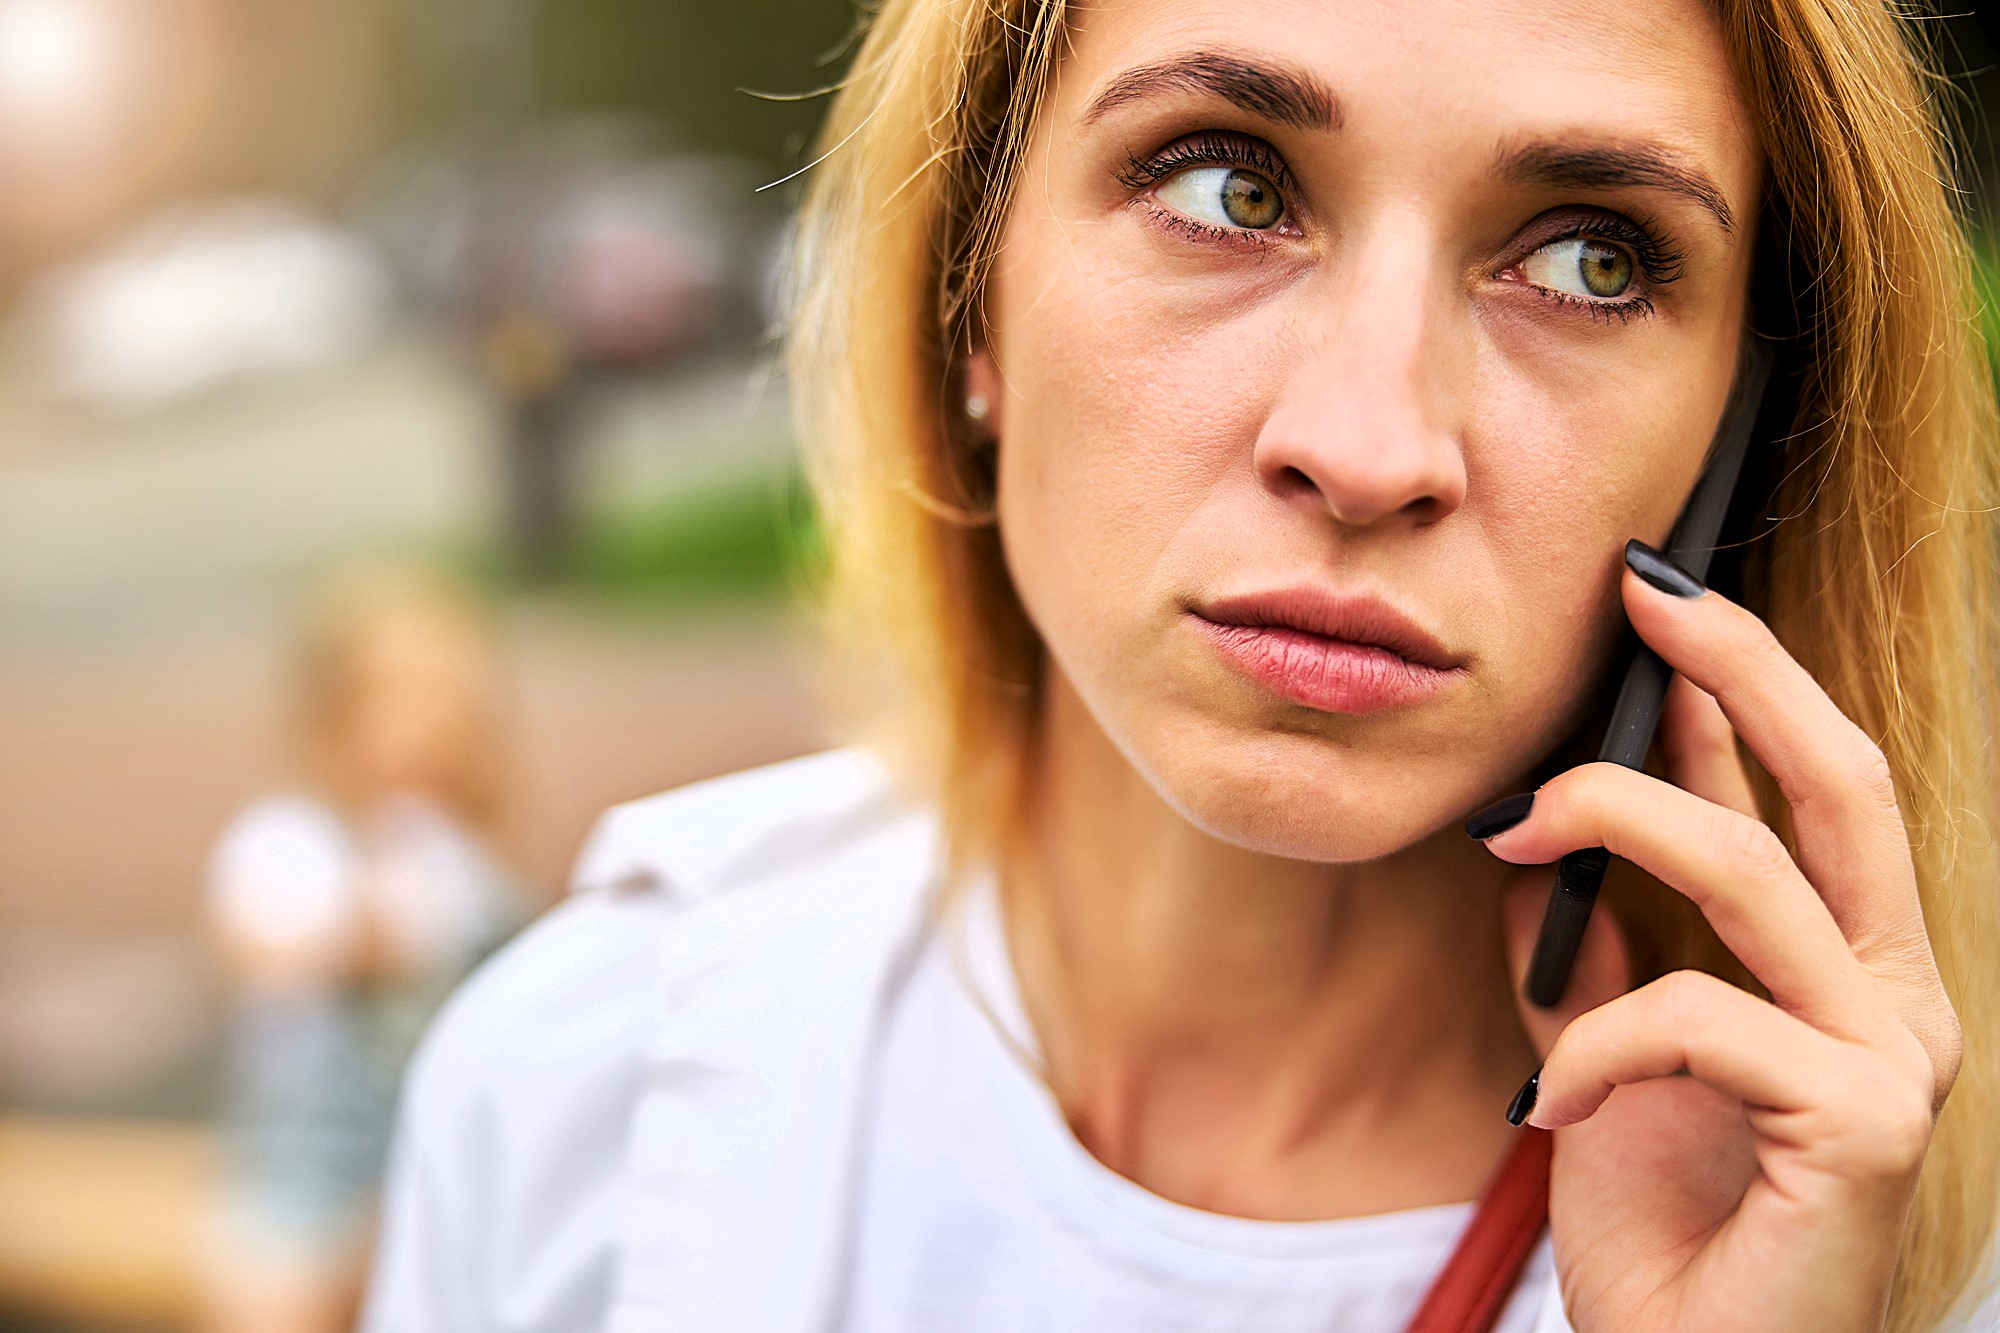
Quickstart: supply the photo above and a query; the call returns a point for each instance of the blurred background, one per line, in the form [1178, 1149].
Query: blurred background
[394, 472]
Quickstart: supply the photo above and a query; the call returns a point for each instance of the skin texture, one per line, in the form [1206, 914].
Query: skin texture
[1271, 975]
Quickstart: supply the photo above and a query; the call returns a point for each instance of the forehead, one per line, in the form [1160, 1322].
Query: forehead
[1474, 74]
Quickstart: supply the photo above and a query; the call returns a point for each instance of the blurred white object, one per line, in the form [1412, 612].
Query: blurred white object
[52, 52]
[205, 294]
[284, 875]
[290, 876]
[71, 85]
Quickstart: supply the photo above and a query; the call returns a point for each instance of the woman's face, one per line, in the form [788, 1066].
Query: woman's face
[1386, 320]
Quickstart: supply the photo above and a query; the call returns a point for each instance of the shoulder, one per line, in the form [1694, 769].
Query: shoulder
[569, 992]
[502, 1182]
[520, 1104]
[598, 955]
[698, 840]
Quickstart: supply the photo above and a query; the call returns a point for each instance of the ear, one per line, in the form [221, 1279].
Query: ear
[982, 382]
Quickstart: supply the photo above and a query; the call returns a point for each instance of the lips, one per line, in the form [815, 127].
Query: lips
[1343, 654]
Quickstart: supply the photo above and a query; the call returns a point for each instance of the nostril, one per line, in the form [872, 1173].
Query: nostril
[1426, 510]
[1361, 471]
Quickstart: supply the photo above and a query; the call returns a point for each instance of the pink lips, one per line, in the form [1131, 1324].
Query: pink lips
[1337, 654]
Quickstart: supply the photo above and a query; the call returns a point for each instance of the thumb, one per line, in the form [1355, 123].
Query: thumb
[1602, 970]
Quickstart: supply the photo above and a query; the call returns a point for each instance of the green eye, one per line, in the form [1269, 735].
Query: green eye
[1606, 269]
[1225, 197]
[1581, 266]
[1251, 201]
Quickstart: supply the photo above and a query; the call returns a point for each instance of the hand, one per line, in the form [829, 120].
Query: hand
[1723, 1162]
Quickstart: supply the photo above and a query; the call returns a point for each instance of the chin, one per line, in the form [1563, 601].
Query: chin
[1311, 798]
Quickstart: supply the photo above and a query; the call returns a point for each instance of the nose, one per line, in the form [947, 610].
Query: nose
[1367, 425]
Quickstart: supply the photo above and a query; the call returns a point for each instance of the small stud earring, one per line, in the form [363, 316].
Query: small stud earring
[976, 406]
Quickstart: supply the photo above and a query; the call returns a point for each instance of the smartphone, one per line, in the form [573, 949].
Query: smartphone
[1637, 712]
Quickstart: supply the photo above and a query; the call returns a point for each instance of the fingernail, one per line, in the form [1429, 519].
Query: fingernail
[1523, 1104]
[1500, 816]
[1661, 572]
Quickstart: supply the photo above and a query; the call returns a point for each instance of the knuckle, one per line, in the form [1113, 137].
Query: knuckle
[1889, 1110]
[1899, 1130]
[1868, 769]
[1581, 791]
[1582, 800]
[1751, 848]
[1947, 1051]
[1687, 998]
[1902, 950]
[1937, 1047]
[1756, 645]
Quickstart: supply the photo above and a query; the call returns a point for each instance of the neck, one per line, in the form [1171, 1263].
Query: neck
[1251, 1034]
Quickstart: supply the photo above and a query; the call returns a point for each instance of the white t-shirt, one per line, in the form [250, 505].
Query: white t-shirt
[981, 1213]
[666, 1107]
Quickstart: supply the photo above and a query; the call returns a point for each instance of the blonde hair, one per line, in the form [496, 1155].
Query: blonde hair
[1876, 568]
[359, 614]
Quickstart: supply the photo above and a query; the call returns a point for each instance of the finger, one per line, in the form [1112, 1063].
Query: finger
[1798, 1084]
[1851, 841]
[1727, 1038]
[1601, 973]
[1699, 747]
[1732, 867]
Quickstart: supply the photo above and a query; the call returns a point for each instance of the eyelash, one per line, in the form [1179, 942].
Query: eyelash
[1660, 261]
[1211, 148]
[1656, 258]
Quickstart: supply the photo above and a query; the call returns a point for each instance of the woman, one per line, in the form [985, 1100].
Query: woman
[345, 912]
[1229, 418]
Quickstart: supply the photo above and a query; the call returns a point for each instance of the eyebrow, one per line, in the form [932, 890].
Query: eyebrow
[1611, 165]
[1272, 92]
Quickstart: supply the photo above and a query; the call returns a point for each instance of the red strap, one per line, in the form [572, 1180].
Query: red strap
[1475, 1282]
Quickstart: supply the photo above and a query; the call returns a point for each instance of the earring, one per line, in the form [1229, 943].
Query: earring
[976, 407]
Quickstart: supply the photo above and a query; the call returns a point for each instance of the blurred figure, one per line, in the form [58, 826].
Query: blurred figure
[345, 913]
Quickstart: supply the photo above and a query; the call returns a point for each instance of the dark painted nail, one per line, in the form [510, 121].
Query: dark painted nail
[1523, 1104]
[1500, 816]
[1661, 572]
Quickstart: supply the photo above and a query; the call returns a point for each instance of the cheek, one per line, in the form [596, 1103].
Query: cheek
[1558, 480]
[1132, 412]
[1559, 477]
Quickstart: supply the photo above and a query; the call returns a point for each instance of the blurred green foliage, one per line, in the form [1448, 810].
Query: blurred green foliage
[748, 539]
[1986, 278]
